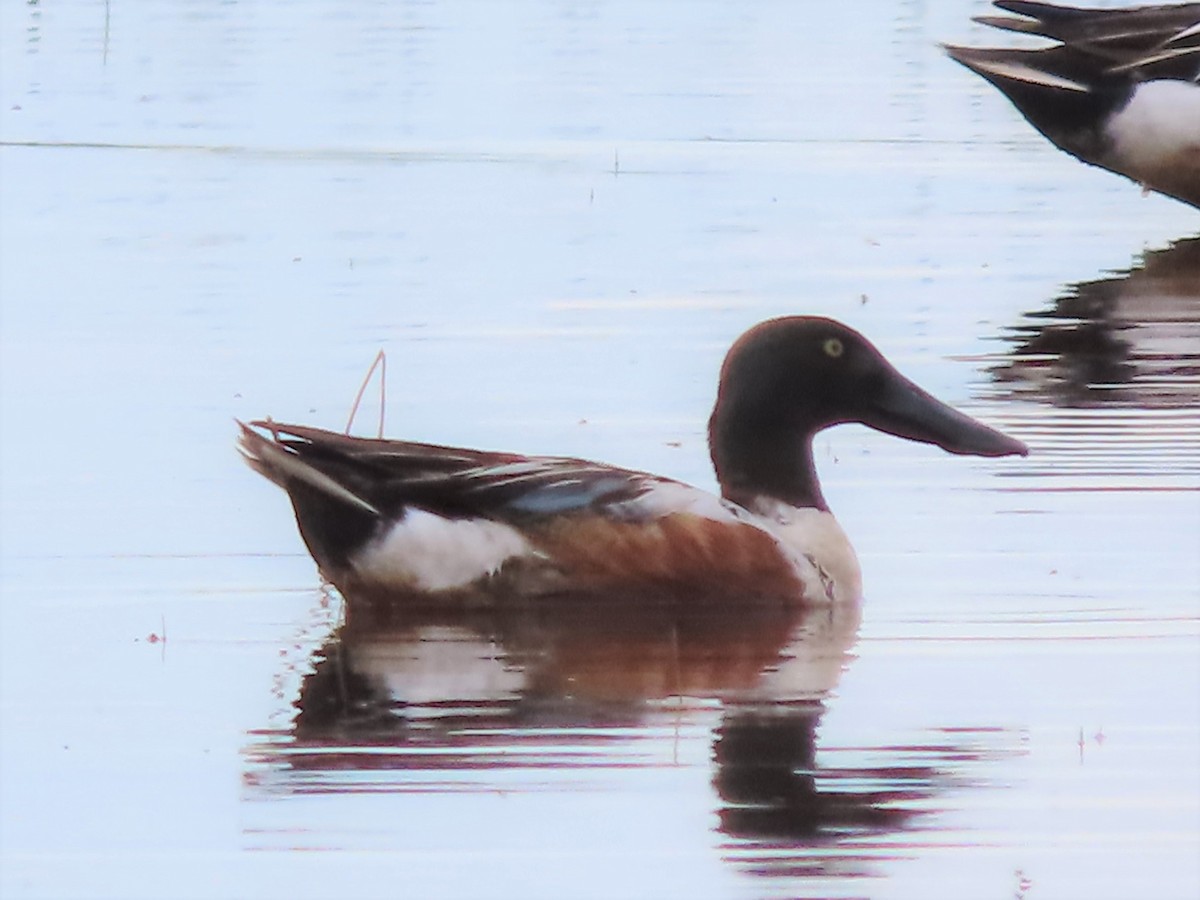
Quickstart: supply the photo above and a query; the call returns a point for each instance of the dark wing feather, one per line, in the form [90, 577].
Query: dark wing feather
[457, 482]
[1153, 41]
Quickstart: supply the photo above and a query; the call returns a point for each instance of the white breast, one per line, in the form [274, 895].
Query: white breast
[817, 541]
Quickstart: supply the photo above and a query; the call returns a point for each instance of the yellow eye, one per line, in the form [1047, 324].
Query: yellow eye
[833, 347]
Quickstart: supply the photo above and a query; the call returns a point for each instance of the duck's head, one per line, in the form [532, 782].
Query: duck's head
[786, 379]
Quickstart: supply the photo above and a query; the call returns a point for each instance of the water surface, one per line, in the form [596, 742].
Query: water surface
[555, 217]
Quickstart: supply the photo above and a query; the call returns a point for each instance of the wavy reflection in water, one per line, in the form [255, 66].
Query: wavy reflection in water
[572, 679]
[791, 808]
[1132, 339]
[576, 696]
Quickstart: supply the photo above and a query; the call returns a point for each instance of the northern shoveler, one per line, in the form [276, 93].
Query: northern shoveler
[401, 520]
[1120, 89]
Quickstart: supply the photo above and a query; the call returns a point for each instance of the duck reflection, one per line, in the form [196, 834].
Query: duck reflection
[452, 700]
[385, 677]
[1132, 339]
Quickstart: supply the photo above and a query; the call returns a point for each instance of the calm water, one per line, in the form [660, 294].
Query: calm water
[555, 216]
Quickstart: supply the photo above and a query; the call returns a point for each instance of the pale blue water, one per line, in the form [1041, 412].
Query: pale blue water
[554, 217]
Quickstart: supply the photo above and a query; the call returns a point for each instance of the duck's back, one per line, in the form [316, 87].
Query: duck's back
[403, 519]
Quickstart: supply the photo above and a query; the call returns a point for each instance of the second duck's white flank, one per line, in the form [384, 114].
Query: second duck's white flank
[1158, 130]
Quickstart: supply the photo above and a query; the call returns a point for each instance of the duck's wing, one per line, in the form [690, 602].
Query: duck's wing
[1126, 37]
[414, 518]
[1152, 42]
[385, 477]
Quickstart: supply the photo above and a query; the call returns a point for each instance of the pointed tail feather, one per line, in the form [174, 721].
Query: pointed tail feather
[1026, 66]
[278, 463]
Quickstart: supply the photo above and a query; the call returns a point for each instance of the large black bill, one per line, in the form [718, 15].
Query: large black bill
[907, 411]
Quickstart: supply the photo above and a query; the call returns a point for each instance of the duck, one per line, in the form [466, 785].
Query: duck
[1119, 88]
[395, 521]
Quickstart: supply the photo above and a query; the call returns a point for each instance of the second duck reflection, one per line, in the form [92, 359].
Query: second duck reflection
[1128, 339]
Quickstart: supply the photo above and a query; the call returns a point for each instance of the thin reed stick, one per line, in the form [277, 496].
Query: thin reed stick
[381, 364]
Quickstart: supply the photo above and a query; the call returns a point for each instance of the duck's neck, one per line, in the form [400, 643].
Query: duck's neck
[753, 461]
